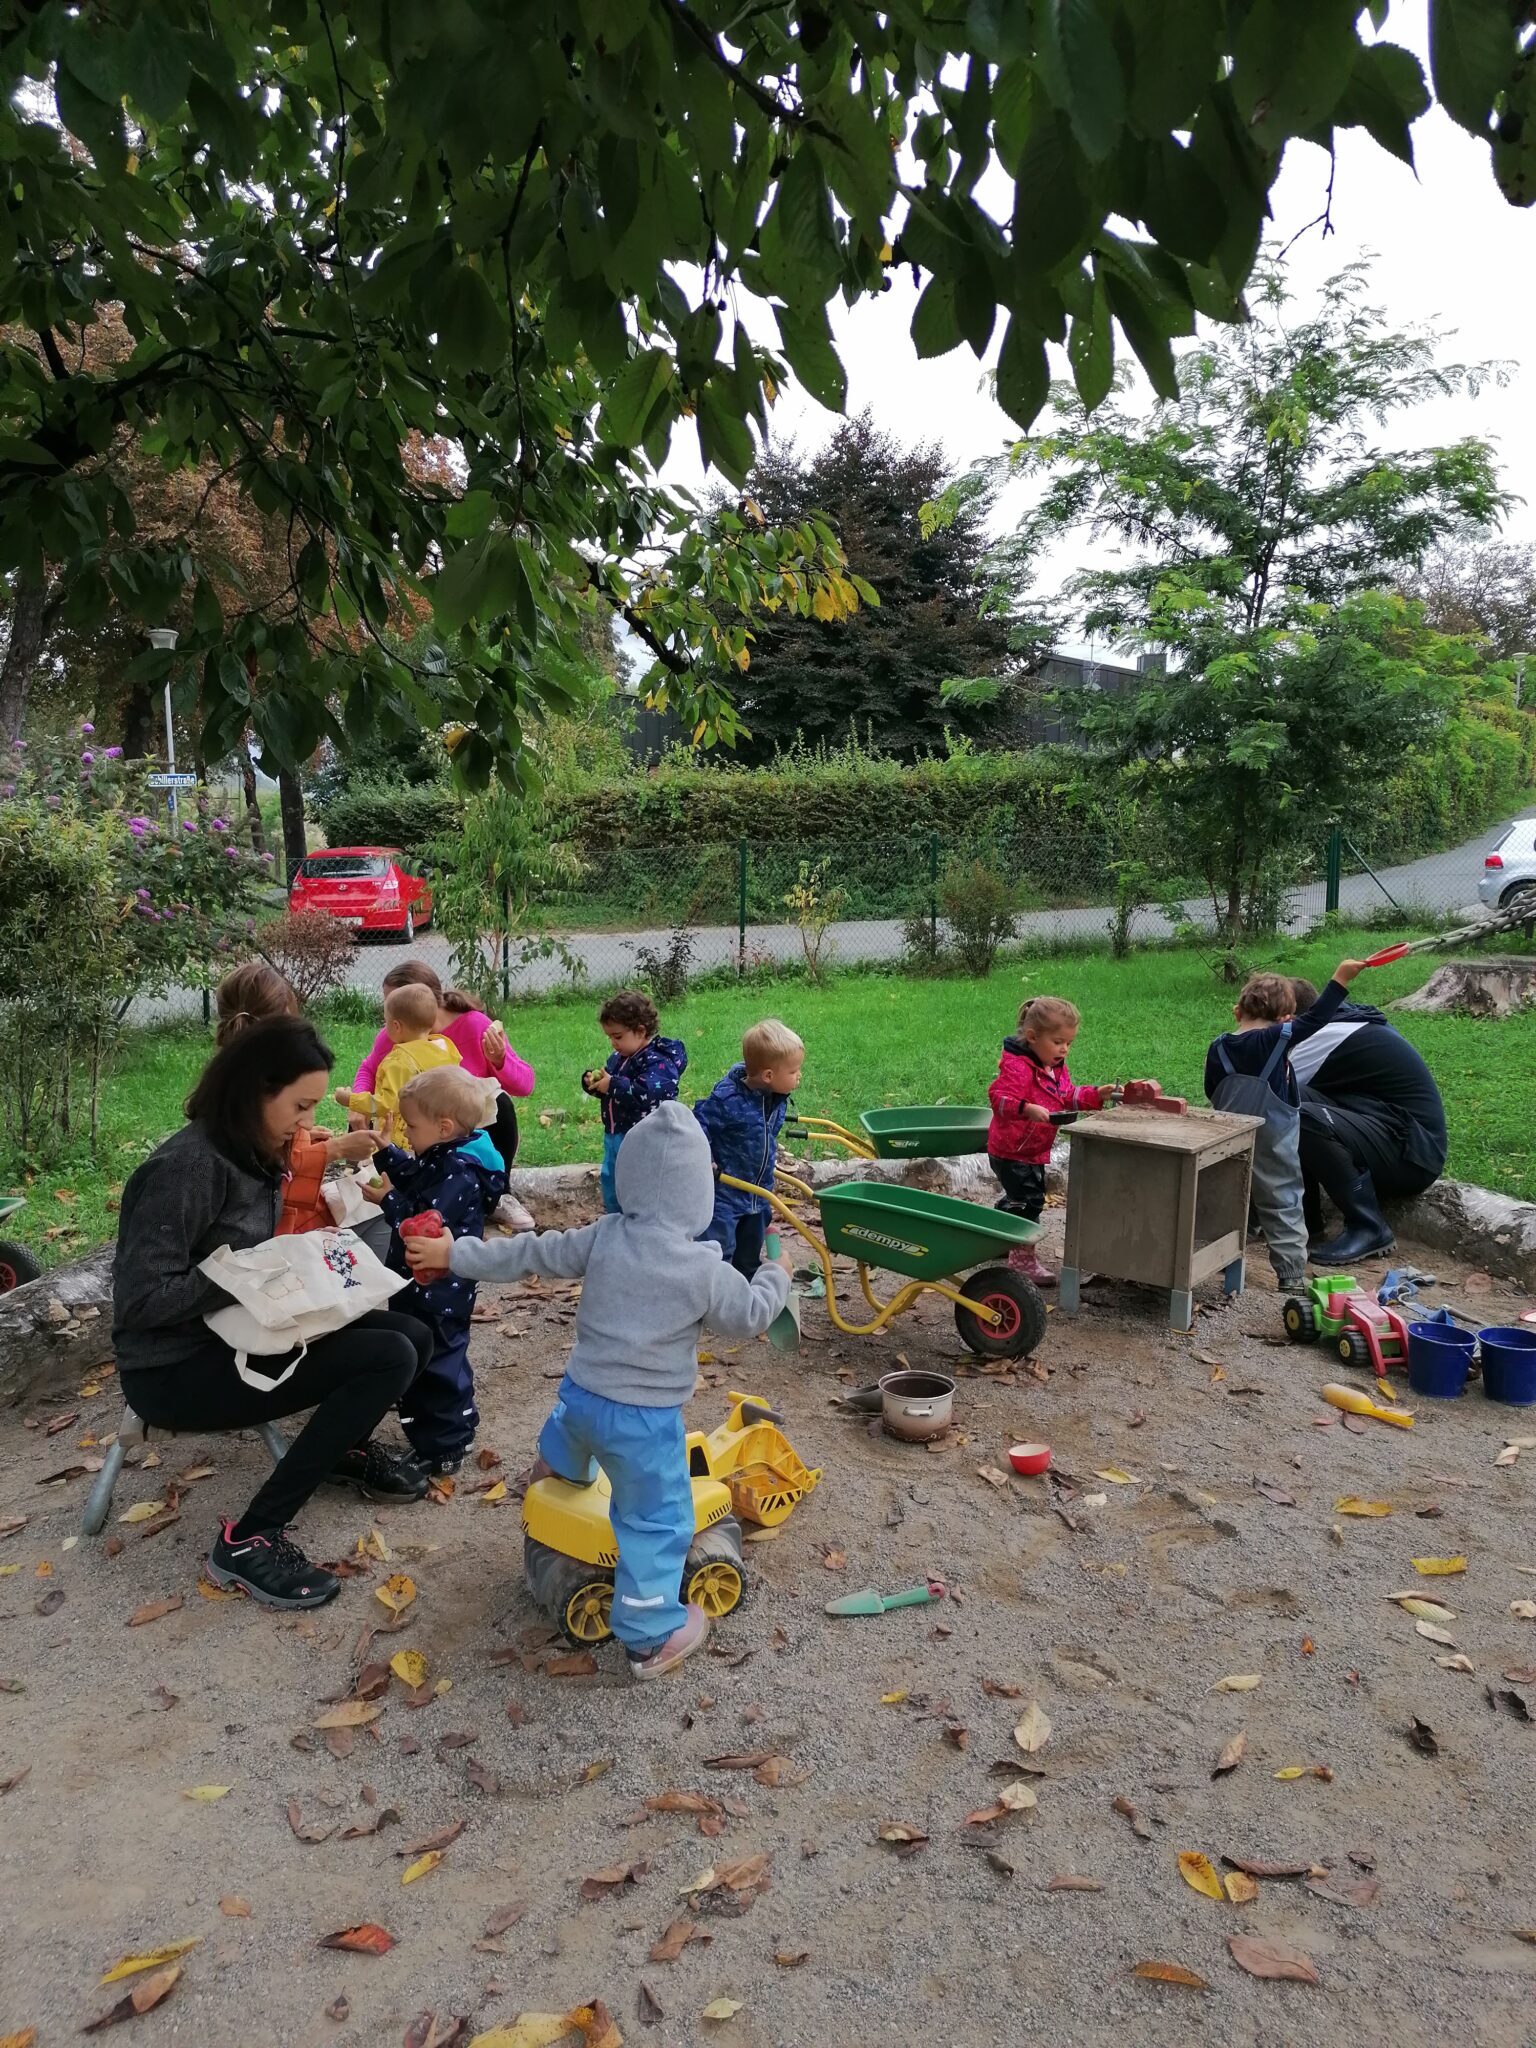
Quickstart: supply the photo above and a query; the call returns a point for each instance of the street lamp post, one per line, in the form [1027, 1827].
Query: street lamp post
[163, 639]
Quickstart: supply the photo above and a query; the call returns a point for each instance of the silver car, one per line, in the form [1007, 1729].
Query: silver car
[1510, 870]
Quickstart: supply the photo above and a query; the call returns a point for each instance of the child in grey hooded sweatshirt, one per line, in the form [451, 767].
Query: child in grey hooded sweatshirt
[649, 1287]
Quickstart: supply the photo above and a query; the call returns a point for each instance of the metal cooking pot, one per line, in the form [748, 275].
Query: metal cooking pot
[917, 1405]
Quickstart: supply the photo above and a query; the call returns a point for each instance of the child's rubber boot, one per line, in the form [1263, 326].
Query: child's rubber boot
[677, 1649]
[1025, 1260]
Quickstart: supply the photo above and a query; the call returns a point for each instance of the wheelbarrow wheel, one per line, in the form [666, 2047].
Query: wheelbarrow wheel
[1015, 1301]
[17, 1266]
[713, 1577]
[577, 1597]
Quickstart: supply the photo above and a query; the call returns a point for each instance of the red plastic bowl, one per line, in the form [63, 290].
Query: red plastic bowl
[1030, 1459]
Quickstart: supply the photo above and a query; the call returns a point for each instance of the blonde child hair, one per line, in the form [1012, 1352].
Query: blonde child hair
[1269, 998]
[763, 1045]
[413, 1006]
[1041, 1012]
[450, 1092]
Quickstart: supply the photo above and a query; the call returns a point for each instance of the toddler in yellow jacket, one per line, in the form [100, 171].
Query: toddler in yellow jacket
[409, 1014]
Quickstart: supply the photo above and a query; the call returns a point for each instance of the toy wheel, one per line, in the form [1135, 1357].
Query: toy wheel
[712, 1576]
[17, 1266]
[1299, 1325]
[1016, 1303]
[1353, 1349]
[577, 1597]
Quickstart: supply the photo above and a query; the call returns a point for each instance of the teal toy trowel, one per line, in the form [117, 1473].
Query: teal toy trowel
[869, 1601]
[784, 1330]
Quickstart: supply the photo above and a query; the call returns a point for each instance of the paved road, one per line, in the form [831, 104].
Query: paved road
[1439, 882]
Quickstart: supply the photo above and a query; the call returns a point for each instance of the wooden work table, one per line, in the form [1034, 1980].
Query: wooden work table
[1158, 1199]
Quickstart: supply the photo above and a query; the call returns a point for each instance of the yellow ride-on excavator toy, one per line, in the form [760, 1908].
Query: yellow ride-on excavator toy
[745, 1470]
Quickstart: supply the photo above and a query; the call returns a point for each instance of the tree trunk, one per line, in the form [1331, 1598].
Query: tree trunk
[136, 716]
[29, 623]
[252, 801]
[290, 795]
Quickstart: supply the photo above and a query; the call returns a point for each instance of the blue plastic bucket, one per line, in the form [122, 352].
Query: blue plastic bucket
[1509, 1365]
[1438, 1358]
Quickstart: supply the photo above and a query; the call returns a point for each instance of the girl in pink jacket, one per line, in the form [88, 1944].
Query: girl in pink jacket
[483, 1051]
[1033, 1085]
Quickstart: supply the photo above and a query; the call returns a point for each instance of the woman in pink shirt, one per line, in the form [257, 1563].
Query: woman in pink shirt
[481, 1044]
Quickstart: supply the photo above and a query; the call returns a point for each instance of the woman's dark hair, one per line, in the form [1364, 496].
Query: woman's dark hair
[454, 1000]
[240, 1080]
[1305, 993]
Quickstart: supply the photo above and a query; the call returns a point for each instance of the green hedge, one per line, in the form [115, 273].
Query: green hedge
[375, 811]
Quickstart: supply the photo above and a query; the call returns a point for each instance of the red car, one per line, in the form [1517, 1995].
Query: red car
[367, 887]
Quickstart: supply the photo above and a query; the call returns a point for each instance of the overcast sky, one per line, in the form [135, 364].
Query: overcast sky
[1447, 251]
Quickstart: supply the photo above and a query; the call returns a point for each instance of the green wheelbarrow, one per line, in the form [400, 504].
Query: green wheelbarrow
[900, 1133]
[929, 1240]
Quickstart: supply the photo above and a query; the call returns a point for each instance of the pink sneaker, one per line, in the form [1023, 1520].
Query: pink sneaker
[1026, 1260]
[678, 1647]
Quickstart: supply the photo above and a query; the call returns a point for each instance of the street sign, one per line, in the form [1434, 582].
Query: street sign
[172, 781]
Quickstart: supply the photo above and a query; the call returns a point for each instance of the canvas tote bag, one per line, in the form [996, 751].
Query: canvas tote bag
[291, 1290]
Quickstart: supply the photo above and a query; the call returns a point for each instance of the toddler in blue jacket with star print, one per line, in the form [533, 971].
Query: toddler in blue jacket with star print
[454, 1168]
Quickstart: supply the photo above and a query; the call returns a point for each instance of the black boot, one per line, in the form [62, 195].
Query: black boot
[1312, 1212]
[1366, 1231]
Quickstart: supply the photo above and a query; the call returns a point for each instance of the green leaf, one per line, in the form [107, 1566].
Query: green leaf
[469, 516]
[1291, 62]
[1091, 347]
[1385, 95]
[155, 69]
[1181, 204]
[1081, 70]
[724, 436]
[1023, 373]
[1514, 144]
[1012, 100]
[808, 344]
[1143, 332]
[631, 398]
[1175, 45]
[458, 589]
[1052, 213]
[1472, 51]
[857, 160]
[471, 327]
[797, 241]
[935, 324]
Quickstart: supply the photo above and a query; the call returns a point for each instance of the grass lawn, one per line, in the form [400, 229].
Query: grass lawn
[872, 1040]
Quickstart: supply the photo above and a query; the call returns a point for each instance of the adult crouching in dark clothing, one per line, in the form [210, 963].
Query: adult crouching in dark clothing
[219, 1181]
[1372, 1128]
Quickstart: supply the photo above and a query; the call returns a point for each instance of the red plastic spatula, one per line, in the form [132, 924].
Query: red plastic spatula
[1388, 953]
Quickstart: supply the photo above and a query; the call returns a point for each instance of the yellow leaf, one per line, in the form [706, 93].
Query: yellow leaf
[887, 253]
[1292, 1771]
[9, 1571]
[1425, 1610]
[1033, 1728]
[1018, 1798]
[27, 2038]
[528, 2030]
[396, 1592]
[210, 1591]
[1240, 1888]
[892, 1699]
[129, 1966]
[496, 1492]
[410, 1667]
[1116, 1477]
[721, 2009]
[421, 1867]
[44, 1570]
[443, 1685]
[373, 1545]
[142, 1510]
[1199, 1874]
[1439, 1567]
[350, 1714]
[1352, 1504]
[205, 1794]
[1243, 1681]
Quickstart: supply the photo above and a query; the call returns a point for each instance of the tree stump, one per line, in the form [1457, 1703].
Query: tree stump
[55, 1330]
[1495, 987]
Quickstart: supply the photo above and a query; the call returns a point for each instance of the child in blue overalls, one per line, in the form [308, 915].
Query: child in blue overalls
[742, 1116]
[643, 1069]
[454, 1168]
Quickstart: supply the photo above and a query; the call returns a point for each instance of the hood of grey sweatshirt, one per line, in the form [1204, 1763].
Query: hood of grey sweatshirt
[649, 1287]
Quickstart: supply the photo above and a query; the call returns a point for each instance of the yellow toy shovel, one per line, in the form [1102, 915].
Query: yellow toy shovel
[1356, 1403]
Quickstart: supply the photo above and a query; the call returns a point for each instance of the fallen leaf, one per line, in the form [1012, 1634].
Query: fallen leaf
[670, 1945]
[53, 1600]
[365, 1939]
[152, 1959]
[1169, 1973]
[1509, 1455]
[721, 2009]
[1426, 1610]
[340, 2008]
[1243, 1681]
[1032, 1731]
[10, 1524]
[649, 2006]
[900, 1831]
[27, 2038]
[422, 1867]
[1521, 1674]
[1199, 1873]
[144, 1511]
[995, 1689]
[1439, 1567]
[428, 2031]
[1231, 1756]
[359, 1829]
[1422, 1736]
[209, 1591]
[1362, 1892]
[1139, 1825]
[579, 1664]
[1254, 1869]
[892, 1699]
[739, 1760]
[498, 1492]
[350, 1714]
[682, 1802]
[1264, 1956]
[1064, 1881]
[1291, 1771]
[791, 1958]
[1240, 1888]
[1523, 1610]
[308, 1830]
[154, 1610]
[410, 1667]
[457, 1738]
[833, 1560]
[1116, 1477]
[1277, 1494]
[396, 1593]
[1017, 1798]
[1456, 1663]
[778, 1773]
[9, 1784]
[142, 1998]
[618, 1877]
[438, 1839]
[235, 1908]
[1352, 1504]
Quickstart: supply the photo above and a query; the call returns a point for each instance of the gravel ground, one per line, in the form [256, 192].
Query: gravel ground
[1120, 1629]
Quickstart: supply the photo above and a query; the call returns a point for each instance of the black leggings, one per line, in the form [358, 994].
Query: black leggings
[1339, 1142]
[503, 1131]
[351, 1379]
